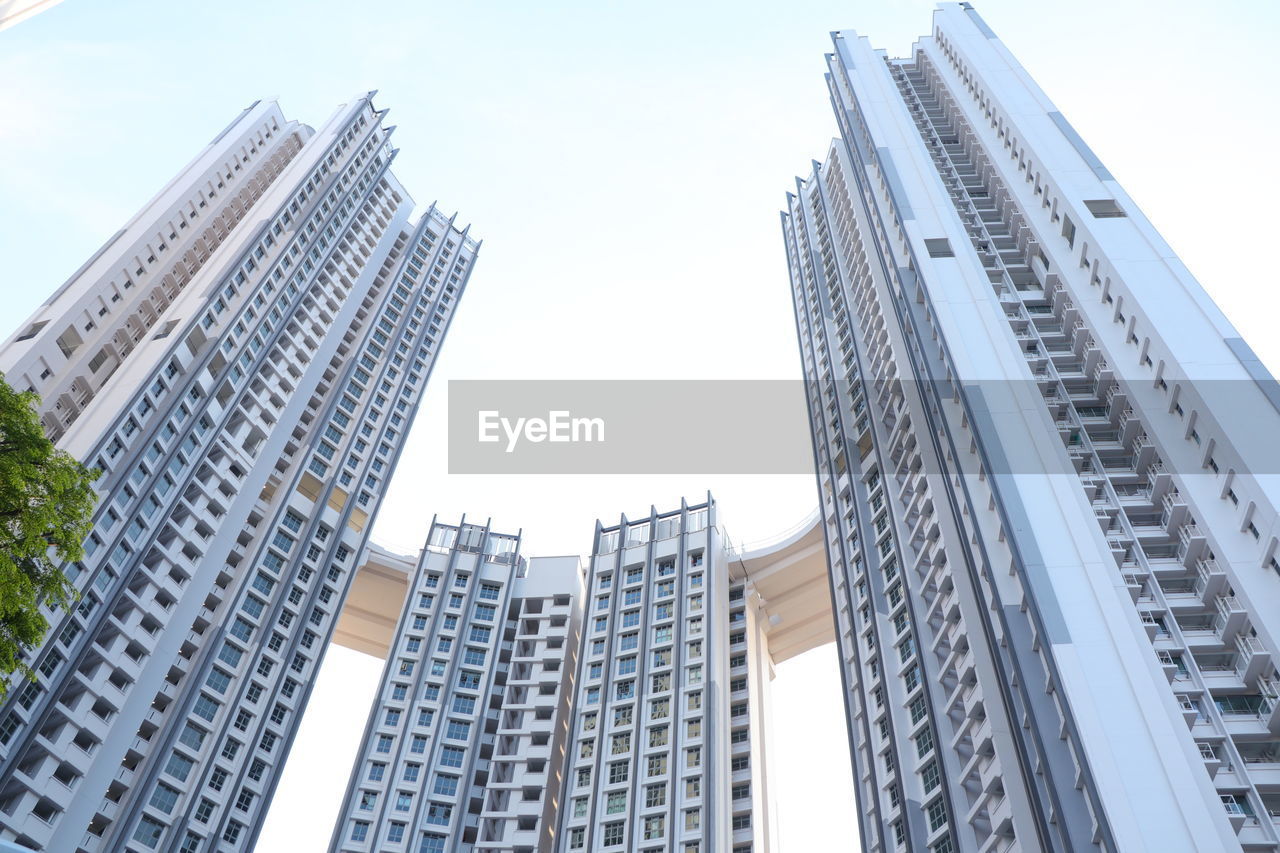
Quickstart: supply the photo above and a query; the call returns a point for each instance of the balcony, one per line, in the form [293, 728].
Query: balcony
[1253, 659]
[1238, 809]
[1158, 475]
[1210, 753]
[1270, 689]
[1219, 670]
[1261, 761]
[1250, 714]
[1210, 579]
[1153, 626]
[1191, 541]
[1173, 509]
[1231, 617]
[1172, 665]
[1190, 710]
[1136, 585]
[1115, 393]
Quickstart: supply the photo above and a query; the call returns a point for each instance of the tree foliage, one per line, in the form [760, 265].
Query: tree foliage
[46, 506]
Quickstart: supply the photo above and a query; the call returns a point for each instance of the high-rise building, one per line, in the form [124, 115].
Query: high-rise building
[668, 712]
[1046, 474]
[16, 11]
[465, 743]
[242, 361]
[527, 704]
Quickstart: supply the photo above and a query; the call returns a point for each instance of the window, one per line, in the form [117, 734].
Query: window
[929, 775]
[939, 248]
[616, 803]
[937, 812]
[191, 737]
[148, 832]
[164, 798]
[924, 743]
[1104, 208]
[179, 766]
[446, 785]
[205, 707]
[613, 834]
[218, 680]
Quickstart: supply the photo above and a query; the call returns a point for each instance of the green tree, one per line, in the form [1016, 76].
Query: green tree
[46, 507]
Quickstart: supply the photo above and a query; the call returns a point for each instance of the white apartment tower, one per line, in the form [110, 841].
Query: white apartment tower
[1046, 468]
[465, 743]
[669, 708]
[527, 705]
[242, 361]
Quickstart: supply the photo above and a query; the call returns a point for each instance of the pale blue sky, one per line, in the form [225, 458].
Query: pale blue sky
[624, 163]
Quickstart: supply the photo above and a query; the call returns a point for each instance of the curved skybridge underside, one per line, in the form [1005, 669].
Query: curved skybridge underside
[788, 575]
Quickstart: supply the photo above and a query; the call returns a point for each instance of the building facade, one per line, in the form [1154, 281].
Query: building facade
[532, 705]
[668, 725]
[1044, 478]
[242, 361]
[465, 743]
